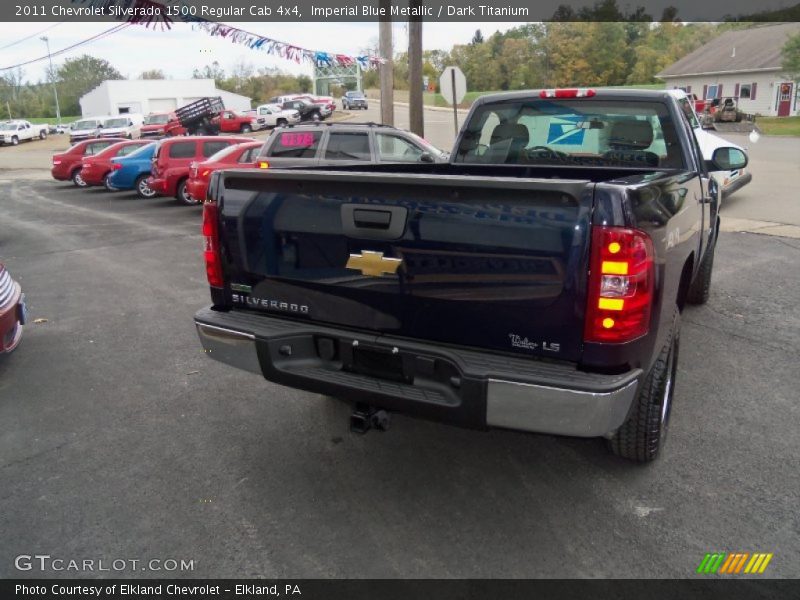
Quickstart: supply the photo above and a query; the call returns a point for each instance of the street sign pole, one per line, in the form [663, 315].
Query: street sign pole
[453, 86]
[455, 104]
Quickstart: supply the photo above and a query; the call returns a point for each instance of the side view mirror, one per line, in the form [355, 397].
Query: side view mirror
[727, 158]
[426, 157]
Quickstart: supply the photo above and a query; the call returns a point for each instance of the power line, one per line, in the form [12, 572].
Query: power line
[101, 35]
[19, 41]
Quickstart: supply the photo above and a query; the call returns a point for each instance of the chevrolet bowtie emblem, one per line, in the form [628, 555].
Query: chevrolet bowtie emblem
[373, 264]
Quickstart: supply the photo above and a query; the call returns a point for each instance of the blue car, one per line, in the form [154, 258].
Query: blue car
[133, 171]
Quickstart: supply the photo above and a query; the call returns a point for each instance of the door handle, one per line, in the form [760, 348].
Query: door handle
[372, 219]
[373, 222]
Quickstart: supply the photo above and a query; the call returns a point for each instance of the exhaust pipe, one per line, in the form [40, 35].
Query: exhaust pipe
[364, 418]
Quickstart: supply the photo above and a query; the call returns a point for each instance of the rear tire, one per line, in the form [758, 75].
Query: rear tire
[642, 436]
[246, 129]
[182, 194]
[142, 189]
[42, 135]
[700, 288]
[77, 180]
[316, 117]
[281, 123]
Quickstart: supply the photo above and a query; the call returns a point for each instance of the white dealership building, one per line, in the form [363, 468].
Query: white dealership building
[143, 96]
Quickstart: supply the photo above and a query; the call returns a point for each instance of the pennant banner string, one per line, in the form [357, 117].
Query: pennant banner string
[150, 12]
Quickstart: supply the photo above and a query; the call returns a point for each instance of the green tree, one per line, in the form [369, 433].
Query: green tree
[791, 57]
[77, 76]
[213, 71]
[152, 74]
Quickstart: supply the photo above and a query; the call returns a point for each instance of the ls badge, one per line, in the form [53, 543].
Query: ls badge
[373, 264]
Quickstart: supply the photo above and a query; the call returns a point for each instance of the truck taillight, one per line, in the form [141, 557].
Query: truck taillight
[211, 245]
[621, 278]
[567, 93]
[116, 166]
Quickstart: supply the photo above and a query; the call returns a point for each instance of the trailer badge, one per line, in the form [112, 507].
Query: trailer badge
[373, 264]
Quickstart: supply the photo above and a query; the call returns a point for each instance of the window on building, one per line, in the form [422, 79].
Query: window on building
[712, 92]
[744, 90]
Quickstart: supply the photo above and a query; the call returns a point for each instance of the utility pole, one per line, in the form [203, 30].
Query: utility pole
[8, 106]
[415, 115]
[387, 68]
[46, 40]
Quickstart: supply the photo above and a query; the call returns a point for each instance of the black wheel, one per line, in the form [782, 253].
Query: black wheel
[42, 134]
[142, 189]
[246, 129]
[642, 436]
[200, 131]
[316, 117]
[14, 141]
[699, 289]
[107, 182]
[77, 179]
[182, 194]
[281, 123]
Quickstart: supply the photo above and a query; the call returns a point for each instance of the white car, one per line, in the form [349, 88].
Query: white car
[84, 129]
[729, 181]
[124, 126]
[16, 131]
[272, 115]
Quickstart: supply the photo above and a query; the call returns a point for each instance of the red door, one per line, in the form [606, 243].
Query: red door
[785, 99]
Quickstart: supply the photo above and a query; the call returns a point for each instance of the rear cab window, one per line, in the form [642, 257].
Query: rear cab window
[572, 132]
[295, 144]
[348, 146]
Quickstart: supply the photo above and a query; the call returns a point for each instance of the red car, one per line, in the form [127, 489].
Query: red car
[98, 166]
[13, 313]
[239, 156]
[158, 125]
[229, 121]
[67, 165]
[170, 171]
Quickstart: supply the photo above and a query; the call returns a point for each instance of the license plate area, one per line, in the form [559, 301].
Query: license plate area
[379, 363]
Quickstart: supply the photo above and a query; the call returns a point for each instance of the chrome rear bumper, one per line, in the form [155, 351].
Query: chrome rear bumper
[564, 401]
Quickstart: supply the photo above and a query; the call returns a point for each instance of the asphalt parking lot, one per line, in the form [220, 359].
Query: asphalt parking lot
[119, 439]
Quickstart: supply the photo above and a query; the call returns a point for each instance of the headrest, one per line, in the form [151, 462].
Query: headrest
[510, 131]
[631, 134]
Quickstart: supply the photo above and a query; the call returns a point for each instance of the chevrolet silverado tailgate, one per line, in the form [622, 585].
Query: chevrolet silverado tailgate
[488, 262]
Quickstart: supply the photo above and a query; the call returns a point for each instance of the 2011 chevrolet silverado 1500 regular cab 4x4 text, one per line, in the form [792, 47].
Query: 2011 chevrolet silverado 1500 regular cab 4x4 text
[535, 282]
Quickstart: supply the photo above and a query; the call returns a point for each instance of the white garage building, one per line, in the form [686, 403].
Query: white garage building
[745, 64]
[143, 96]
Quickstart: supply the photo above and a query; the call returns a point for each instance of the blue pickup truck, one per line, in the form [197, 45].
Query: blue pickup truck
[535, 282]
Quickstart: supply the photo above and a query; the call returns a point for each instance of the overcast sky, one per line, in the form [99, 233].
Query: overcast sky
[180, 50]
